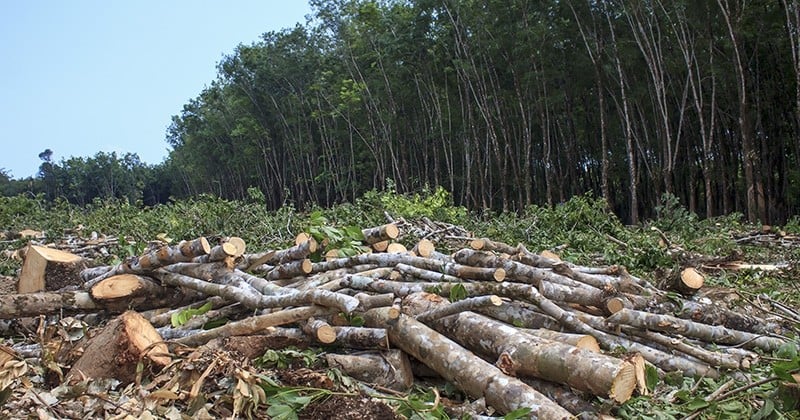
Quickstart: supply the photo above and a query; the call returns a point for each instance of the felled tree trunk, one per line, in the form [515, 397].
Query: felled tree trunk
[514, 270]
[609, 303]
[485, 244]
[554, 361]
[380, 233]
[254, 324]
[255, 345]
[424, 248]
[583, 341]
[48, 269]
[390, 369]
[118, 349]
[118, 291]
[707, 333]
[522, 315]
[390, 260]
[35, 304]
[470, 373]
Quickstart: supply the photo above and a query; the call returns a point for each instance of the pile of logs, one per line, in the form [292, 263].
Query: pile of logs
[506, 325]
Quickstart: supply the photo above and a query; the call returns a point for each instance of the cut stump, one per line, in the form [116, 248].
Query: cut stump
[48, 269]
[117, 350]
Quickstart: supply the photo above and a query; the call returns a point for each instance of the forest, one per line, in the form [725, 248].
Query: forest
[505, 104]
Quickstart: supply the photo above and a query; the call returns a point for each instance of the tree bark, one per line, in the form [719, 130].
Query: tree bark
[554, 361]
[471, 374]
[390, 368]
[707, 333]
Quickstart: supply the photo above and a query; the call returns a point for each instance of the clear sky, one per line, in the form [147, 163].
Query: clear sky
[84, 76]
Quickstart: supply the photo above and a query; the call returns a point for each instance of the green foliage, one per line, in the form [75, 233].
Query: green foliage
[520, 413]
[793, 225]
[285, 402]
[579, 228]
[346, 240]
[458, 292]
[179, 318]
[422, 405]
[289, 356]
[436, 204]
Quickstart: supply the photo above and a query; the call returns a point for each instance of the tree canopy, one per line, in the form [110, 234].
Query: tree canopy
[504, 103]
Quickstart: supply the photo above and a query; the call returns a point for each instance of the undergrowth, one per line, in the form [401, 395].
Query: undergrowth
[582, 230]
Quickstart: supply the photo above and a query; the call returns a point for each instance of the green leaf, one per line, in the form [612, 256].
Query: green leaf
[650, 376]
[519, 413]
[458, 292]
[784, 369]
[353, 233]
[765, 411]
[179, 318]
[281, 412]
[695, 404]
[357, 321]
[787, 351]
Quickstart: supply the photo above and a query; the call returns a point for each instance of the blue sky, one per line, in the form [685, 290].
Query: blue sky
[80, 76]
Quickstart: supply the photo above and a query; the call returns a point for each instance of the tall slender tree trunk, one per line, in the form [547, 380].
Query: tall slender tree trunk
[595, 53]
[626, 117]
[792, 10]
[756, 208]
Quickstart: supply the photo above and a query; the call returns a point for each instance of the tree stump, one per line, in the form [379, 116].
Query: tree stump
[117, 350]
[48, 269]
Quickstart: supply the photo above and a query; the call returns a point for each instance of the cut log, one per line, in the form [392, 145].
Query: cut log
[469, 304]
[396, 248]
[424, 248]
[117, 350]
[290, 270]
[380, 233]
[476, 377]
[121, 289]
[302, 237]
[239, 244]
[554, 361]
[689, 281]
[35, 304]
[361, 338]
[320, 331]
[391, 260]
[390, 369]
[218, 253]
[550, 255]
[255, 345]
[485, 244]
[254, 324]
[332, 255]
[297, 252]
[380, 246]
[250, 298]
[582, 341]
[514, 270]
[707, 333]
[416, 273]
[521, 315]
[182, 252]
[48, 269]
[587, 296]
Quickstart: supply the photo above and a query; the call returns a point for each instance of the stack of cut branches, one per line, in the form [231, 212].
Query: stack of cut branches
[512, 327]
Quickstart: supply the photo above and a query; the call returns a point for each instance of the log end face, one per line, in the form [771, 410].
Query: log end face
[625, 382]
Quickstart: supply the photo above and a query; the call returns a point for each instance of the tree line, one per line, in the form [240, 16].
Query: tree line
[507, 103]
